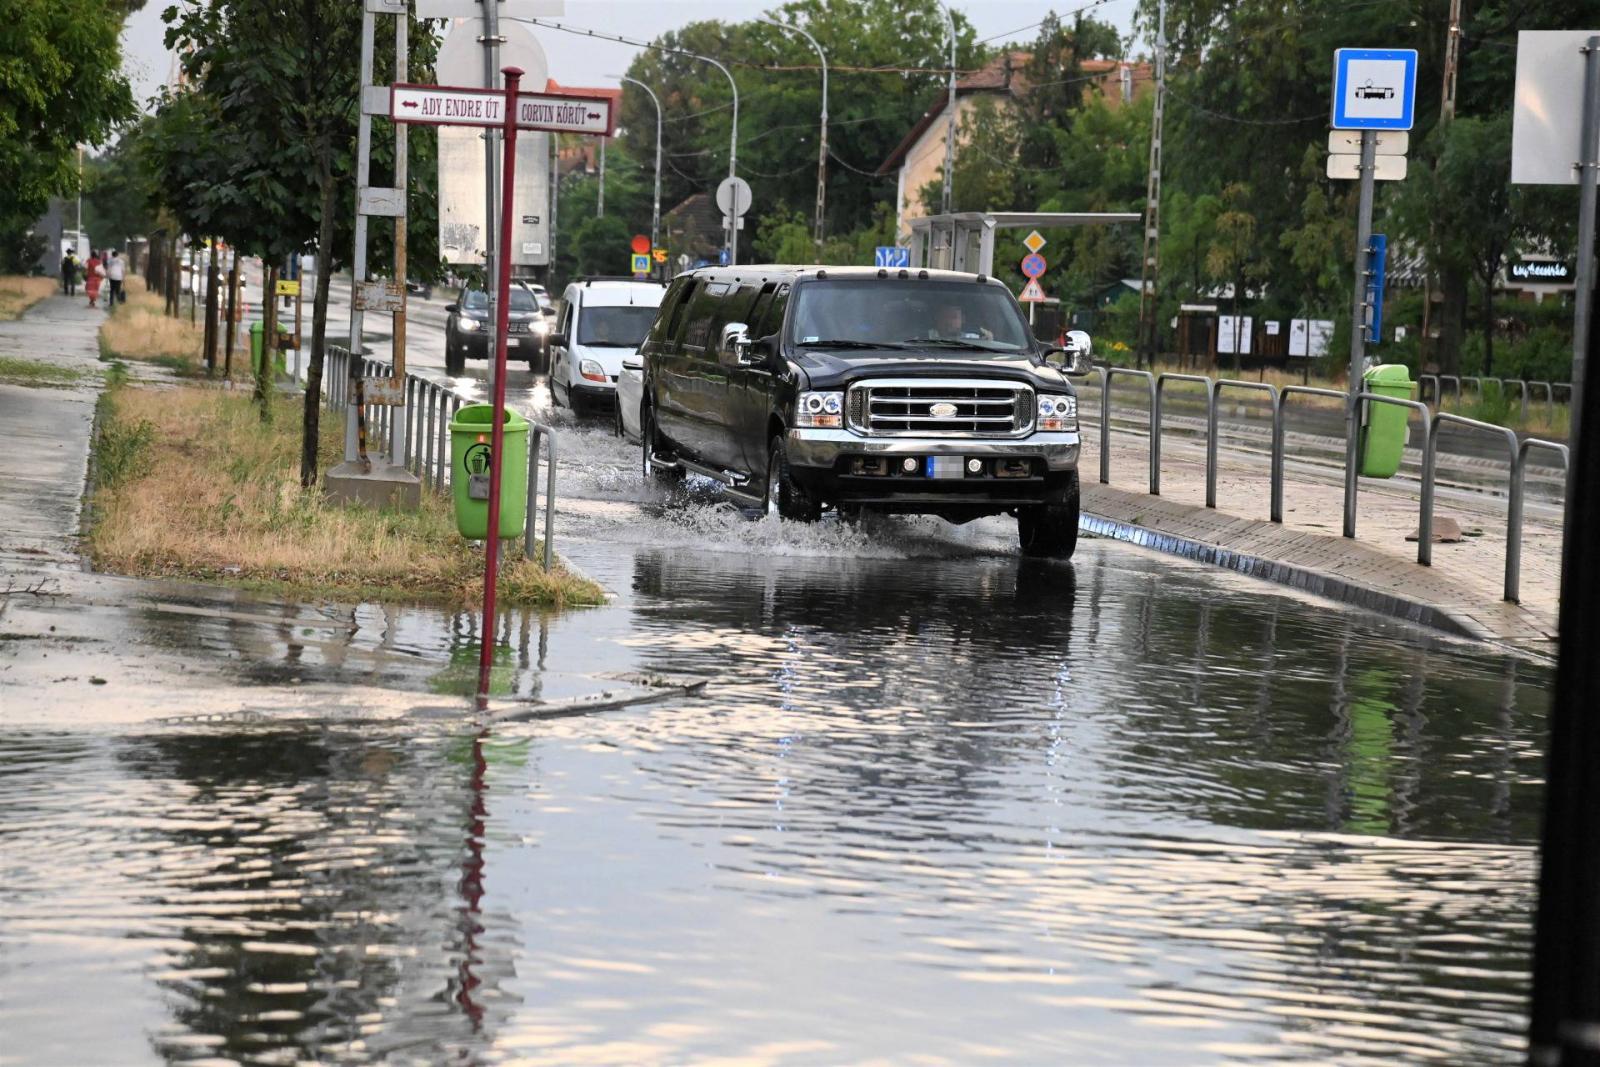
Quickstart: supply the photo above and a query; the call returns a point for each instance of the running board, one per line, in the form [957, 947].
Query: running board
[727, 478]
[661, 463]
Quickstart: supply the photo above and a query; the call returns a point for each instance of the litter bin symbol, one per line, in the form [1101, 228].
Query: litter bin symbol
[1383, 438]
[471, 445]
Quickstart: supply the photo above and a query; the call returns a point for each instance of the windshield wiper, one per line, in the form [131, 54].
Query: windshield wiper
[844, 343]
[951, 342]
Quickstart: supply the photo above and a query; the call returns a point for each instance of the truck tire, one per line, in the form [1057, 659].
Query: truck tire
[1051, 530]
[647, 446]
[784, 498]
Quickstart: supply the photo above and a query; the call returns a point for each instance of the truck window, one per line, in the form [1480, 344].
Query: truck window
[701, 311]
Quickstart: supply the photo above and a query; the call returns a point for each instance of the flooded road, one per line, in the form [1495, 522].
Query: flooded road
[937, 804]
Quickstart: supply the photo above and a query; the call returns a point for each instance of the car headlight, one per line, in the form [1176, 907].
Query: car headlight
[469, 325]
[819, 410]
[1058, 412]
[592, 370]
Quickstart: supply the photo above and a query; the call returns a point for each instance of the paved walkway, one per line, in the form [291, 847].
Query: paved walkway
[1460, 592]
[46, 450]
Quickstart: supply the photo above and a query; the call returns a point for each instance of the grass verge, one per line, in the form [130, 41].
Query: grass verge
[141, 330]
[192, 484]
[19, 293]
[34, 372]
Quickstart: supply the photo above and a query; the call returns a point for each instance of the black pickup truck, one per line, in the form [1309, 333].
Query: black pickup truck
[858, 388]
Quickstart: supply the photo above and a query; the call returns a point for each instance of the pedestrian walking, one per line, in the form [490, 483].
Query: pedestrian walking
[69, 273]
[94, 273]
[116, 270]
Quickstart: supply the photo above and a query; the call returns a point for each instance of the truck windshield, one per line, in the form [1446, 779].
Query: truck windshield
[615, 327]
[953, 315]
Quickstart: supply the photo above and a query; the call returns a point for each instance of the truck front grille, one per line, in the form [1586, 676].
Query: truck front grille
[940, 407]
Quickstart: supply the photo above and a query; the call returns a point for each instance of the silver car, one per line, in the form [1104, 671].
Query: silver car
[630, 393]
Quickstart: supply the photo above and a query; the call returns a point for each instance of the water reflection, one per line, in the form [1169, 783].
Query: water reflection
[937, 810]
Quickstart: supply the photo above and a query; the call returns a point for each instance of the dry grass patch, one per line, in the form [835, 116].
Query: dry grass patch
[18, 294]
[141, 330]
[193, 485]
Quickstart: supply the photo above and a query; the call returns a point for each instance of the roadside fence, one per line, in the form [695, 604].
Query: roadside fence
[425, 442]
[1429, 423]
[1431, 388]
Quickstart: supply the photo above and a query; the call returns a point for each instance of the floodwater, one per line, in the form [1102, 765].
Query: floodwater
[937, 804]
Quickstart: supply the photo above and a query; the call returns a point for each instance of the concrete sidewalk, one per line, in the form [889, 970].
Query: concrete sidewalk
[1460, 593]
[46, 451]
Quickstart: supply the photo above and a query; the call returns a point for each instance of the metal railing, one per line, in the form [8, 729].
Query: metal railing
[1155, 432]
[1430, 388]
[1517, 449]
[429, 408]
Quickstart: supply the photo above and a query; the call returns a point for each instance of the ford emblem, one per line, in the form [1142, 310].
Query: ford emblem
[942, 411]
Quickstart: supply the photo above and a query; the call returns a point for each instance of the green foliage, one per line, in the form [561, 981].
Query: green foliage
[121, 451]
[20, 251]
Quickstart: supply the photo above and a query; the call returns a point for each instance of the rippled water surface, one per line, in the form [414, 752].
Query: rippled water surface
[940, 809]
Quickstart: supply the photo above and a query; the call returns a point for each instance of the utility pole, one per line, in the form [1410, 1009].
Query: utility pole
[1149, 269]
[1447, 111]
[600, 208]
[947, 193]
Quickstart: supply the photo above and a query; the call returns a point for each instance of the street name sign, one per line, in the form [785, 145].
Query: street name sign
[891, 256]
[1374, 88]
[1033, 265]
[473, 9]
[1031, 293]
[442, 105]
[1384, 169]
[1387, 143]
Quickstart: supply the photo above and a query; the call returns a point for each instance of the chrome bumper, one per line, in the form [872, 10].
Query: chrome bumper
[822, 448]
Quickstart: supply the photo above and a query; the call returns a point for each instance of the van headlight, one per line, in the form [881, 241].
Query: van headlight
[592, 370]
[1058, 412]
[822, 411]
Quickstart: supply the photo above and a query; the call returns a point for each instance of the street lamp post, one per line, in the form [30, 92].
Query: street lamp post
[945, 194]
[655, 210]
[822, 147]
[733, 153]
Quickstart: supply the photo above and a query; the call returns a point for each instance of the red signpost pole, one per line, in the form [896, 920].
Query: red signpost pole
[491, 549]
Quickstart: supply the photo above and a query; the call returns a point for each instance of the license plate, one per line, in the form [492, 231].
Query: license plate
[945, 467]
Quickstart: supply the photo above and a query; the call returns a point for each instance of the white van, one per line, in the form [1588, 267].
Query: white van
[602, 320]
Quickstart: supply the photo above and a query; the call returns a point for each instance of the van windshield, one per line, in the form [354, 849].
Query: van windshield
[614, 327]
[900, 314]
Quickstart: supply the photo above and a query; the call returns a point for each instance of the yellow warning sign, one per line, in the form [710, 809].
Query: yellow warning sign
[288, 288]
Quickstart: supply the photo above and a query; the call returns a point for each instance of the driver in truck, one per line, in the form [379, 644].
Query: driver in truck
[949, 323]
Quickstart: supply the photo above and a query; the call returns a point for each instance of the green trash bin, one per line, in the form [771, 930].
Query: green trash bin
[470, 446]
[258, 332]
[1383, 438]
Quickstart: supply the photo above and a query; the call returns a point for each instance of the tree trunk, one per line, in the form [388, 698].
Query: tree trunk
[233, 303]
[211, 311]
[311, 418]
[1488, 326]
[1452, 319]
[1238, 357]
[269, 342]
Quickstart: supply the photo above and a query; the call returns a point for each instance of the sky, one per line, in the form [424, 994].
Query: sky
[578, 60]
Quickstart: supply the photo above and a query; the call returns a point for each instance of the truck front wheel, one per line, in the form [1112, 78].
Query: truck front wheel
[785, 499]
[1051, 530]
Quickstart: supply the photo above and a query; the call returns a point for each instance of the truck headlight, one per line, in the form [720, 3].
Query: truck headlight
[592, 370]
[819, 411]
[1058, 412]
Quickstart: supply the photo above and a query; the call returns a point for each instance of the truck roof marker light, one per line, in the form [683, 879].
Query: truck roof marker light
[822, 274]
[922, 275]
[904, 273]
[982, 279]
[883, 272]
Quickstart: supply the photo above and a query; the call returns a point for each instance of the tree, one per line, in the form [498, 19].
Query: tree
[1232, 254]
[279, 100]
[60, 86]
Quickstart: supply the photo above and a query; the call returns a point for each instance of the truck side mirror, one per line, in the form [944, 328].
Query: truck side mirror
[736, 342]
